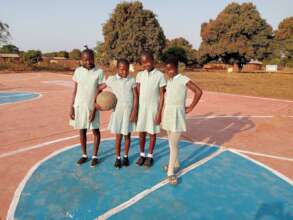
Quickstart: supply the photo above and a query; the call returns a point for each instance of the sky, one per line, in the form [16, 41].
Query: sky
[66, 24]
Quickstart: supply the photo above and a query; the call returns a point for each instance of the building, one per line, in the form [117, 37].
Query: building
[9, 58]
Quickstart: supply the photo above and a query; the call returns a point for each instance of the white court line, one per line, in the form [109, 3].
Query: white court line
[22, 101]
[11, 153]
[262, 154]
[251, 97]
[146, 192]
[283, 177]
[238, 116]
[17, 193]
[16, 197]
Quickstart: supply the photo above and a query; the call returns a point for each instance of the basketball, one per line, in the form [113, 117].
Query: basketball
[106, 100]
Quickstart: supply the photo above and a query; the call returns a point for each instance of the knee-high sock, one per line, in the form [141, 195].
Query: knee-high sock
[173, 138]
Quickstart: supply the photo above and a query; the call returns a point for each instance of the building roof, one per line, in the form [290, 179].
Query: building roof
[255, 62]
[9, 55]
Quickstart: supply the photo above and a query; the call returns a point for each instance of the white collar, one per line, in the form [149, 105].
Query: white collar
[178, 75]
[119, 77]
[151, 71]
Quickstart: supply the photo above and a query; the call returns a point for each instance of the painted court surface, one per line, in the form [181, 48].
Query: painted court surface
[236, 160]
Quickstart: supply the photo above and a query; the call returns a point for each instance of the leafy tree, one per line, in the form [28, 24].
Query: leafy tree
[180, 48]
[62, 54]
[130, 30]
[237, 35]
[32, 56]
[75, 54]
[9, 48]
[284, 36]
[4, 33]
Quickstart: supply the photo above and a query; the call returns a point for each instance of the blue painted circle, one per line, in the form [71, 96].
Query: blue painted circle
[226, 187]
[11, 97]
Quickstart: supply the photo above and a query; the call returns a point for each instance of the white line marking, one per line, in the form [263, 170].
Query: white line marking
[282, 176]
[262, 154]
[146, 192]
[238, 116]
[39, 145]
[251, 97]
[17, 193]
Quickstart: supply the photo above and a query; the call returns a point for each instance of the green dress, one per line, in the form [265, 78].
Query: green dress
[87, 85]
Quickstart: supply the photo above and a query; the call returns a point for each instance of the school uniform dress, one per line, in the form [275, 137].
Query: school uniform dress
[174, 117]
[120, 119]
[87, 85]
[174, 111]
[149, 97]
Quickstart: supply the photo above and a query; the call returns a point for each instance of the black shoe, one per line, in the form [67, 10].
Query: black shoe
[81, 160]
[140, 161]
[95, 161]
[118, 163]
[148, 162]
[125, 161]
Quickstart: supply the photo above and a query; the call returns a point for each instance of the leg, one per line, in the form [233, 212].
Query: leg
[82, 136]
[126, 149]
[118, 144]
[153, 138]
[127, 139]
[97, 137]
[173, 160]
[142, 141]
[141, 159]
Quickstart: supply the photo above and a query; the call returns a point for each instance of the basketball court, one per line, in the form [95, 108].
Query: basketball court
[236, 160]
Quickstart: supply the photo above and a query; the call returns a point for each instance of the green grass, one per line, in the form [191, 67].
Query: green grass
[273, 85]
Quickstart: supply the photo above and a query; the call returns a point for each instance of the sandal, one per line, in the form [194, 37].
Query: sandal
[173, 179]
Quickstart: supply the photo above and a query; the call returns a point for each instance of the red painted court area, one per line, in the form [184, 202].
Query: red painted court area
[32, 129]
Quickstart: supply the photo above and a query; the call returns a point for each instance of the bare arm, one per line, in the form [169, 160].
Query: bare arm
[161, 104]
[197, 95]
[72, 113]
[133, 116]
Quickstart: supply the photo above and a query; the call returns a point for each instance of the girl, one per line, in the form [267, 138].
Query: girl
[174, 121]
[151, 87]
[123, 118]
[82, 110]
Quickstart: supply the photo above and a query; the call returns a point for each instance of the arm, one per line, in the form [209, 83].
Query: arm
[72, 113]
[138, 88]
[158, 117]
[133, 116]
[197, 95]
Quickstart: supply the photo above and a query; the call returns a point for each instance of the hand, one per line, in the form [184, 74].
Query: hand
[158, 118]
[98, 107]
[92, 115]
[72, 113]
[133, 116]
[188, 109]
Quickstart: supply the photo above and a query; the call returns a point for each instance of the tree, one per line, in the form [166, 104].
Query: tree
[284, 36]
[32, 56]
[182, 49]
[62, 53]
[75, 54]
[130, 30]
[4, 33]
[9, 48]
[237, 35]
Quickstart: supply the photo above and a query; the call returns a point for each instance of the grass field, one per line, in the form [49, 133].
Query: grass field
[273, 85]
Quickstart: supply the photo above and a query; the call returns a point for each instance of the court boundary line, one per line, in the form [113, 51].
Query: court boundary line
[40, 95]
[41, 145]
[251, 97]
[21, 185]
[155, 187]
[277, 173]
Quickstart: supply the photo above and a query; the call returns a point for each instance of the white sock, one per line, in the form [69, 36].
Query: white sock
[150, 155]
[142, 154]
[94, 157]
[84, 155]
[125, 156]
[118, 157]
